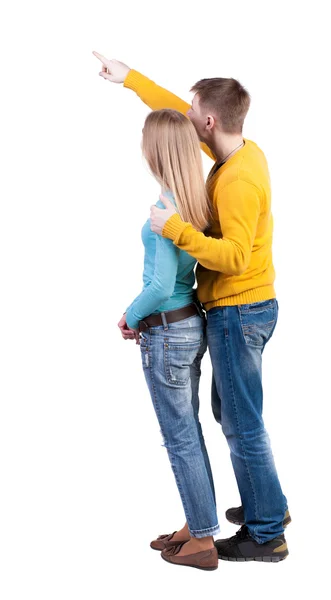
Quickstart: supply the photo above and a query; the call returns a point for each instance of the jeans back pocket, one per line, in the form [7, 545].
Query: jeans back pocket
[178, 358]
[258, 322]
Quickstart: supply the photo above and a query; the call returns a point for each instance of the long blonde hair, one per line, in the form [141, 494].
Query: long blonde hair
[172, 150]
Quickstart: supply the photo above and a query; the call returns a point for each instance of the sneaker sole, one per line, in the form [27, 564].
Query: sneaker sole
[273, 559]
[286, 522]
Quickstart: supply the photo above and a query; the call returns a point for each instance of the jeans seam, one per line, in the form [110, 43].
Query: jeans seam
[275, 323]
[238, 428]
[153, 388]
[173, 460]
[180, 489]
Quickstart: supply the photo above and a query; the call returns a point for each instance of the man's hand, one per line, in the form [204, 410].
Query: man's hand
[113, 70]
[159, 216]
[127, 333]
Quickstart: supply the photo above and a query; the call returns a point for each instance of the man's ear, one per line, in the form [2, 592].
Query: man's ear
[210, 122]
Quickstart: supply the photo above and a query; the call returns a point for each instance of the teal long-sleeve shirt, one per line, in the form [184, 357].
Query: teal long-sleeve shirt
[168, 276]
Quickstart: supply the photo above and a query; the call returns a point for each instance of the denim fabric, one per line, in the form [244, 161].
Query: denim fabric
[236, 337]
[171, 360]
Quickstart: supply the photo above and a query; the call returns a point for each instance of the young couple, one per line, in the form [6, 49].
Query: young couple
[225, 226]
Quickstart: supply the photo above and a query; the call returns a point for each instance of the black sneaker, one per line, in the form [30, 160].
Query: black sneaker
[242, 547]
[236, 516]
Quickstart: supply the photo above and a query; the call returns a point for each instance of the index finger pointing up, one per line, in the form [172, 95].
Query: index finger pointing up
[103, 59]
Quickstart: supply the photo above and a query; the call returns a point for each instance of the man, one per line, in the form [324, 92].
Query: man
[235, 277]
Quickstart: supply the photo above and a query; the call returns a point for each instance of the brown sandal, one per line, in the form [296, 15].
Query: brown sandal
[164, 541]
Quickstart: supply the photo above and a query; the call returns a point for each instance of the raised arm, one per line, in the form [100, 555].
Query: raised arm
[152, 94]
[149, 92]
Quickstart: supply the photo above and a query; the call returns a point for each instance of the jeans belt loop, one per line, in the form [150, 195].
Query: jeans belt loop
[199, 308]
[143, 326]
[164, 321]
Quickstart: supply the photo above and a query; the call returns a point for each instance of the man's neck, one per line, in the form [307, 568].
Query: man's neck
[223, 145]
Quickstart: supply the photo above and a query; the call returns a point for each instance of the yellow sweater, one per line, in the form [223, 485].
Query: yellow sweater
[234, 255]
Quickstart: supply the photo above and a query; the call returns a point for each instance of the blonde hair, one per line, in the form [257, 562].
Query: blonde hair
[172, 149]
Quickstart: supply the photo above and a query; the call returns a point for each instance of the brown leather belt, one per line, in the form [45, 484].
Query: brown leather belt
[171, 316]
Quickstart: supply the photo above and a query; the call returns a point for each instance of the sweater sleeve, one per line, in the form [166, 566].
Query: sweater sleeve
[238, 207]
[162, 285]
[157, 98]
[128, 308]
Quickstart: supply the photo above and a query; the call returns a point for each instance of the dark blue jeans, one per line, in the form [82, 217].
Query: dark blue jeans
[236, 337]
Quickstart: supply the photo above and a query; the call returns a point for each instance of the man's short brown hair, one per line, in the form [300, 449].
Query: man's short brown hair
[227, 98]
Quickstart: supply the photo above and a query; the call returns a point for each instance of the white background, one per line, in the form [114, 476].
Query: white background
[85, 482]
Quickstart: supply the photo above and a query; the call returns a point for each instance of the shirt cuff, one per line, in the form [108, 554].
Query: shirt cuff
[174, 227]
[131, 321]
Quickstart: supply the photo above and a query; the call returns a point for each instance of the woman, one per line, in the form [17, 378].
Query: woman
[169, 324]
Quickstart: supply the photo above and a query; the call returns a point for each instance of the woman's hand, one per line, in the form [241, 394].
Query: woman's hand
[127, 333]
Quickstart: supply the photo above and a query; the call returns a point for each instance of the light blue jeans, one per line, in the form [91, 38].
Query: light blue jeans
[171, 358]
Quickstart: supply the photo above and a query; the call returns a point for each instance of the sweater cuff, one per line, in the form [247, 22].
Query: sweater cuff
[132, 80]
[174, 227]
[131, 321]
